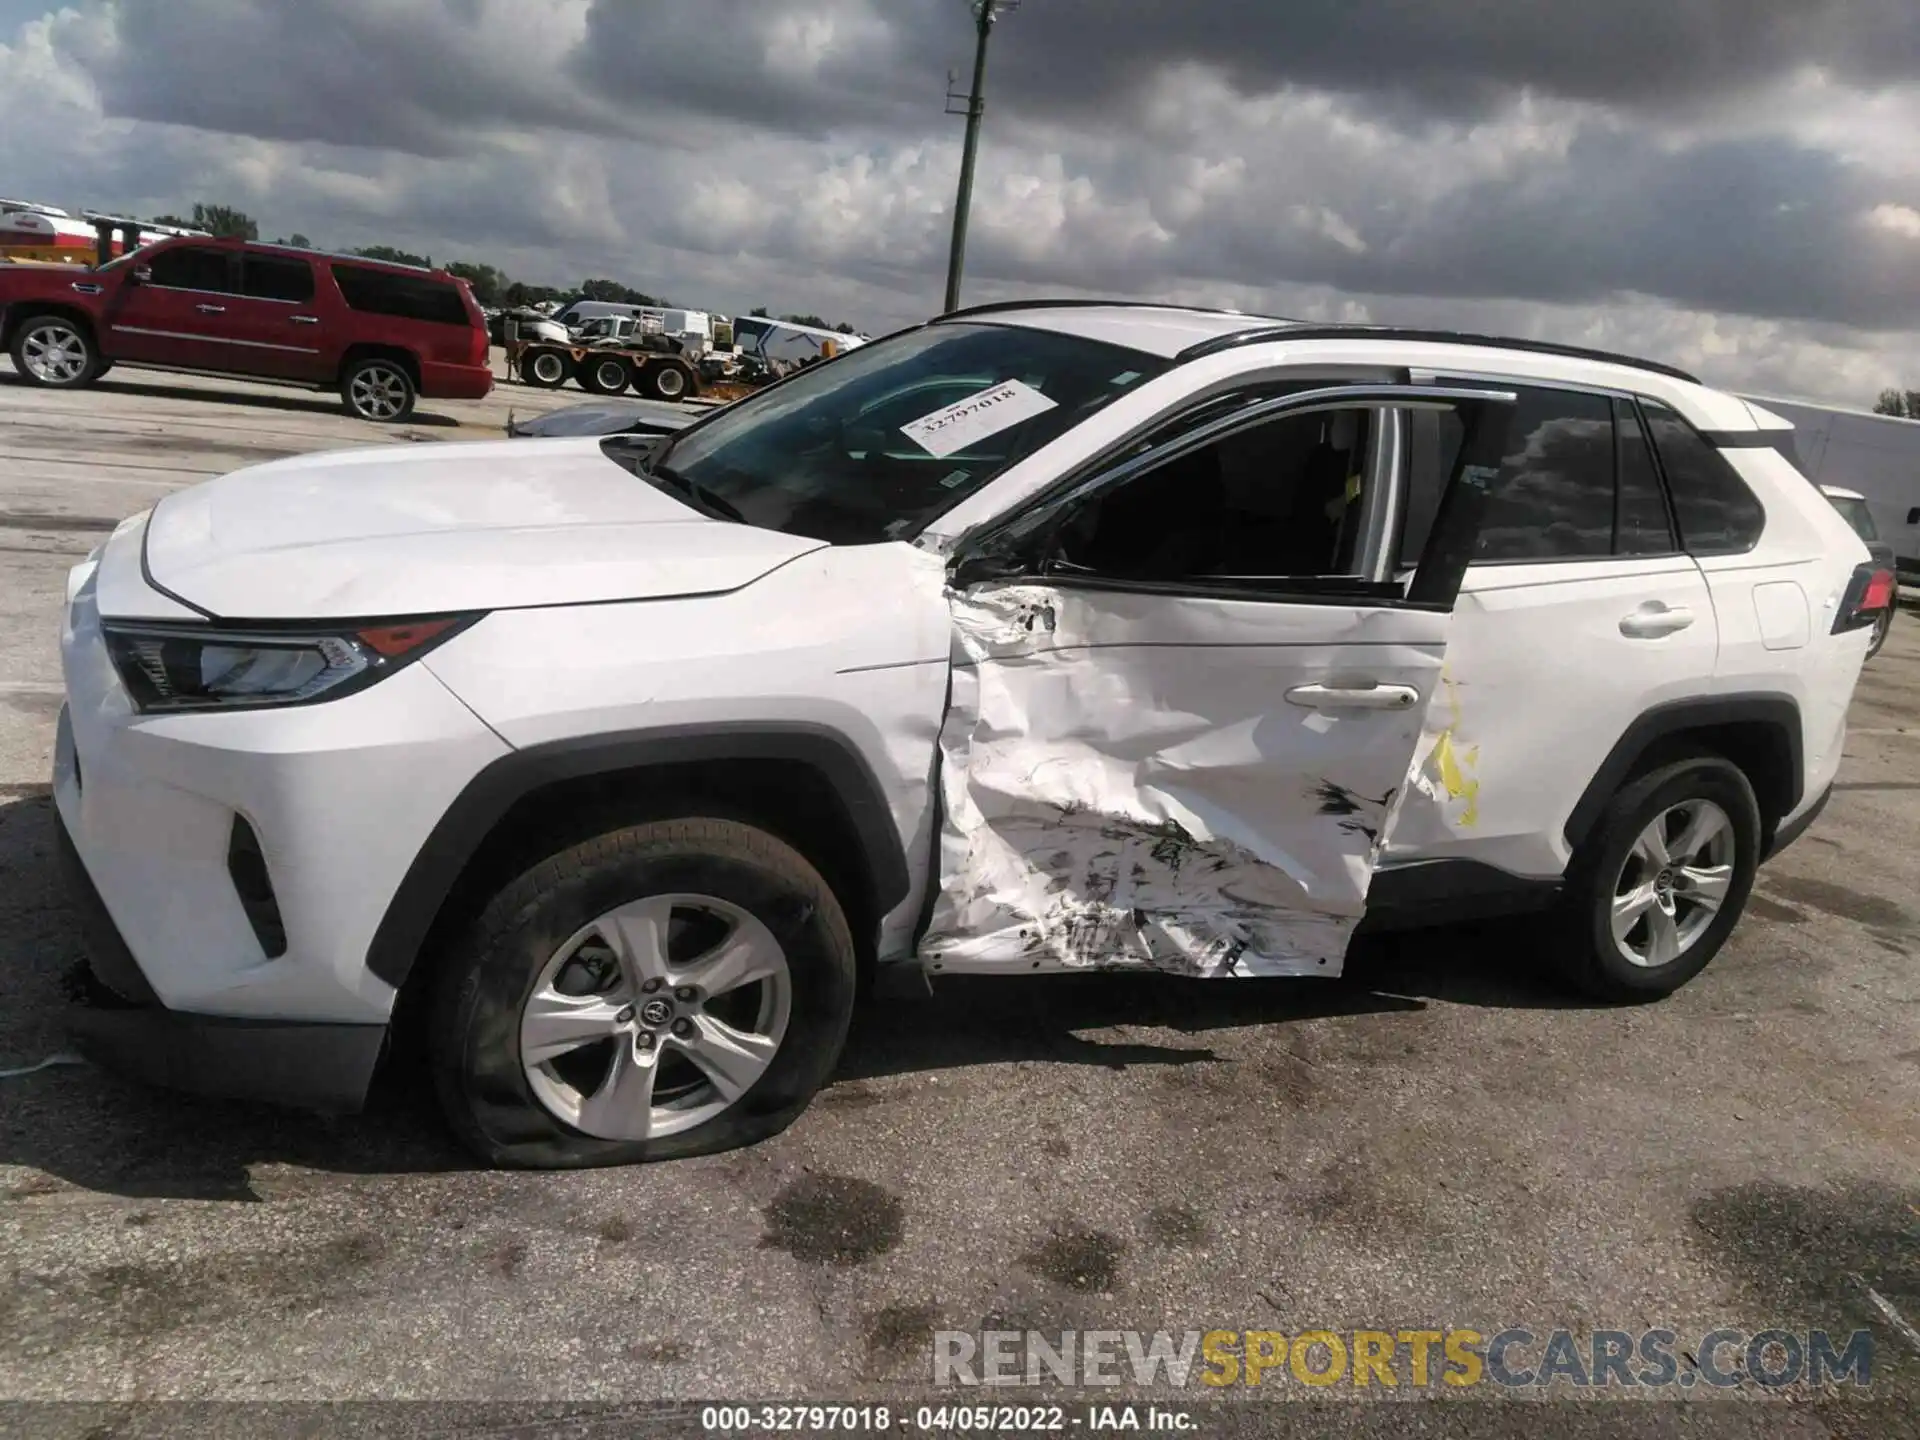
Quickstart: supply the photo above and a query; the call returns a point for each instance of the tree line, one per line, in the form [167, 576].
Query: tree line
[1903, 404]
[490, 286]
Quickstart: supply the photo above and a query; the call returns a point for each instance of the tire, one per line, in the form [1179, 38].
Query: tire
[548, 369]
[669, 382]
[378, 389]
[1882, 628]
[539, 950]
[605, 375]
[55, 352]
[1614, 862]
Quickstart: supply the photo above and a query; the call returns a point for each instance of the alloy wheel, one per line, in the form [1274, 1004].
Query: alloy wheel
[655, 1017]
[1673, 883]
[379, 392]
[55, 353]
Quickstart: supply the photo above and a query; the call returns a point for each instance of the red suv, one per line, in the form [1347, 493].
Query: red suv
[381, 334]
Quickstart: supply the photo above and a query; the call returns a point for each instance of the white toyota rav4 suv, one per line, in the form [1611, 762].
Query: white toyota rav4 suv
[1039, 637]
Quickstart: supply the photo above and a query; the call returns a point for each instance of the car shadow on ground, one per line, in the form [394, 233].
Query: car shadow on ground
[85, 1128]
[294, 400]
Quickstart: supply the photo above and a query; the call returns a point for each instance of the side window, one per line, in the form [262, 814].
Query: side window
[406, 297]
[193, 267]
[1277, 500]
[1718, 515]
[1641, 524]
[1554, 496]
[276, 277]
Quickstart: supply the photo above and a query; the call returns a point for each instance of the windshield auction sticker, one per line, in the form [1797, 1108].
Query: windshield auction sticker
[948, 431]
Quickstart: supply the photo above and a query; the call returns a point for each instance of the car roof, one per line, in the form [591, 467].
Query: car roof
[1178, 332]
[272, 248]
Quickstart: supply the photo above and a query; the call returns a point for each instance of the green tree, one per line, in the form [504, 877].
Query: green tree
[395, 257]
[760, 311]
[224, 221]
[813, 320]
[845, 329]
[299, 240]
[616, 293]
[488, 284]
[176, 221]
[1904, 404]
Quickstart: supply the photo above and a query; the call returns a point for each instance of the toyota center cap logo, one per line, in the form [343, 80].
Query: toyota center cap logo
[656, 1012]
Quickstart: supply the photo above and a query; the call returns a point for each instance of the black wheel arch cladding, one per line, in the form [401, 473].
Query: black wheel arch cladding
[471, 819]
[1774, 719]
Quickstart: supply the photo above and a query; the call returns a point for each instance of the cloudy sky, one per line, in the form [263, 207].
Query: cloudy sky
[1732, 185]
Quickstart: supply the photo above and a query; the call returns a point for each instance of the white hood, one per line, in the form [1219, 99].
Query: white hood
[415, 529]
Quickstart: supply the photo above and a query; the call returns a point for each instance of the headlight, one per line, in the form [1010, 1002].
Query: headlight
[206, 667]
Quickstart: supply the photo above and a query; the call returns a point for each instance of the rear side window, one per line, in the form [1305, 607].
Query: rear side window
[1718, 515]
[193, 267]
[1554, 496]
[407, 297]
[276, 277]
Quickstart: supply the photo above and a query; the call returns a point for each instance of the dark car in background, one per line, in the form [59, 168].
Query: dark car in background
[381, 334]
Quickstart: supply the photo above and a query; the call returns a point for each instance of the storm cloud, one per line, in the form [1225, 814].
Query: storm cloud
[1732, 184]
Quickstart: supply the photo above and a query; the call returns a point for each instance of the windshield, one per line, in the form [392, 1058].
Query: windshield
[875, 444]
[1857, 515]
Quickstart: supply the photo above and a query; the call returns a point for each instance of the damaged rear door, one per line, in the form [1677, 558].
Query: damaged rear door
[1187, 691]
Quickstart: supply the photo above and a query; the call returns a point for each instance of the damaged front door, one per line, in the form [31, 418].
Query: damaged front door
[1187, 692]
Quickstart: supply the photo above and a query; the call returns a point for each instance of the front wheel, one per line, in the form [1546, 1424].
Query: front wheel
[1660, 884]
[54, 351]
[548, 369]
[379, 390]
[664, 990]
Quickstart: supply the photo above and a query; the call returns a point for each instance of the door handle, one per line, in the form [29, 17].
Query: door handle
[304, 319]
[211, 309]
[1354, 697]
[87, 287]
[1654, 620]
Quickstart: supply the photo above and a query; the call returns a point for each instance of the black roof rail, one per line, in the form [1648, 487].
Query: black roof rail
[1262, 334]
[1043, 303]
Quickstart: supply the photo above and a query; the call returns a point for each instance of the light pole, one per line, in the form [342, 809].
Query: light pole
[984, 14]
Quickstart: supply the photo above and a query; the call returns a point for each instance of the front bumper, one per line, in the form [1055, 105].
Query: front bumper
[317, 1066]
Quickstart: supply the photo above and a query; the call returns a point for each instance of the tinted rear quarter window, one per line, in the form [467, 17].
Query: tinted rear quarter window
[276, 277]
[1718, 514]
[406, 297]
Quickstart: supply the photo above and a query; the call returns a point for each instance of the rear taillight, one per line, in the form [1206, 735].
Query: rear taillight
[1870, 594]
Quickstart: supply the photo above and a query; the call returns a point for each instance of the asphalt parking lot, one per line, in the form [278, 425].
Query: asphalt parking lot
[1439, 1140]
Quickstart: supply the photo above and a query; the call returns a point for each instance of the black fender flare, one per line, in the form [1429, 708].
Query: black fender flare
[469, 821]
[1778, 711]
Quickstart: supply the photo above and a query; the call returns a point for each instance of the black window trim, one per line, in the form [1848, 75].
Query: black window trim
[1603, 392]
[1046, 511]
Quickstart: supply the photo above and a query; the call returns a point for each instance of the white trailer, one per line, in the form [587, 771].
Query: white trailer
[1877, 456]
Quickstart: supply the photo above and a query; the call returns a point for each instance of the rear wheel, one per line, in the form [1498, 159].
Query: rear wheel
[668, 382]
[548, 369]
[1661, 882]
[664, 990]
[378, 389]
[1881, 629]
[605, 375]
[54, 351]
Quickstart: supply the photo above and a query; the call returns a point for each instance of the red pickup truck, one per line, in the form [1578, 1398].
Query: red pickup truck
[381, 334]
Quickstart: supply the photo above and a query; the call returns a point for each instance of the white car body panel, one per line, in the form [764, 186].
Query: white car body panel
[807, 645]
[1526, 642]
[1876, 457]
[1125, 787]
[420, 529]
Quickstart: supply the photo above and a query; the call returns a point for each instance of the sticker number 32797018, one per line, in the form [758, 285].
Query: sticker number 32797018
[950, 430]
